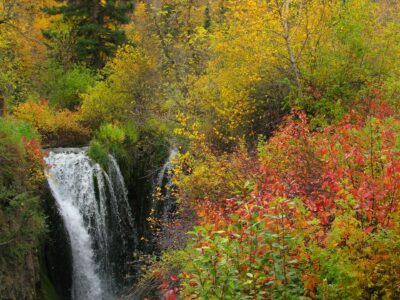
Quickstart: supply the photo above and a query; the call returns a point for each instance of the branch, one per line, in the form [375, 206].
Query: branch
[7, 242]
[290, 36]
[19, 31]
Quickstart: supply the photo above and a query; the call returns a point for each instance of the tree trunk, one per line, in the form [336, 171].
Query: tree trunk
[2, 106]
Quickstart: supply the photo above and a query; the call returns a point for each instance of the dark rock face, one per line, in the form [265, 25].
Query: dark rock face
[140, 176]
[57, 254]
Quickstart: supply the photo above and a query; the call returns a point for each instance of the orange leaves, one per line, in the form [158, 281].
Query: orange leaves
[369, 229]
[35, 162]
[37, 114]
[58, 128]
[310, 283]
[33, 149]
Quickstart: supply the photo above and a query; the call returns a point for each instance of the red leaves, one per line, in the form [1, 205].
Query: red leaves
[352, 163]
[164, 285]
[192, 283]
[169, 289]
[169, 292]
[34, 155]
[364, 167]
[171, 295]
[369, 229]
[308, 183]
[353, 160]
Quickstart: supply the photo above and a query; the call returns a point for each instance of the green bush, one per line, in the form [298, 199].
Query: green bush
[110, 133]
[98, 153]
[132, 133]
[111, 138]
[16, 129]
[244, 260]
[13, 171]
[62, 87]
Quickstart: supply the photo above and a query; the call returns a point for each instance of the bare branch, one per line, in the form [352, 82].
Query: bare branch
[7, 242]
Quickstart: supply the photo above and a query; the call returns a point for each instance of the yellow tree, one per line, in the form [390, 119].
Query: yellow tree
[298, 25]
[267, 56]
[22, 22]
[21, 45]
[127, 92]
[256, 56]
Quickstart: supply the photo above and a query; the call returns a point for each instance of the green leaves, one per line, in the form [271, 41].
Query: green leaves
[242, 258]
[63, 86]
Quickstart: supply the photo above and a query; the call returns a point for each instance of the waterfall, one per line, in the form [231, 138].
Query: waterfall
[164, 183]
[94, 206]
[167, 166]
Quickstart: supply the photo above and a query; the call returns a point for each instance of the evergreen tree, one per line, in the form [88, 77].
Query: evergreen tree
[95, 27]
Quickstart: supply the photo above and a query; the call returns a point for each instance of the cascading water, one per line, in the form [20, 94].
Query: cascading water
[164, 182]
[94, 206]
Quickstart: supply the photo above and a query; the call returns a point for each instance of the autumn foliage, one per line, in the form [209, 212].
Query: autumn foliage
[320, 223]
[284, 114]
[57, 127]
[22, 222]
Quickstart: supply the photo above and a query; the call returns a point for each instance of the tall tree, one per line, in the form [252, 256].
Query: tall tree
[96, 27]
[22, 50]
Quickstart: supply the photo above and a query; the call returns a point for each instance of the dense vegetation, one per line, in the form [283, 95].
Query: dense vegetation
[21, 218]
[285, 113]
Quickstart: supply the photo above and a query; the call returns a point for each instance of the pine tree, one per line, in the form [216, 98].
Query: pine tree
[95, 27]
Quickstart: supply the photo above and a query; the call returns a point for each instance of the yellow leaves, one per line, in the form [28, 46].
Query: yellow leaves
[23, 30]
[103, 3]
[36, 114]
[130, 79]
[188, 129]
[51, 124]
[182, 118]
[242, 56]
[140, 9]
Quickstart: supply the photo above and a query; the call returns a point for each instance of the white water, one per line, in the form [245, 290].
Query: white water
[94, 207]
[162, 175]
[167, 166]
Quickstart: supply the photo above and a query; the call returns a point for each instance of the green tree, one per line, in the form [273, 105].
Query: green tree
[95, 27]
[62, 86]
